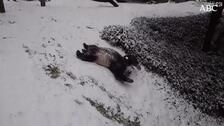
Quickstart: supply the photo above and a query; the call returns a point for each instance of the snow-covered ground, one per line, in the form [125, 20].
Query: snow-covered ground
[33, 37]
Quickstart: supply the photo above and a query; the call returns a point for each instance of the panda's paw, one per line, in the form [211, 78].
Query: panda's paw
[129, 80]
[78, 54]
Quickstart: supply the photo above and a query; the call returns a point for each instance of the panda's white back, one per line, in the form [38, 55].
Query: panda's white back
[105, 56]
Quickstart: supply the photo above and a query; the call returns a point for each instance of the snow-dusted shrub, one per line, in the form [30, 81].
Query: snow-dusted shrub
[171, 47]
[218, 38]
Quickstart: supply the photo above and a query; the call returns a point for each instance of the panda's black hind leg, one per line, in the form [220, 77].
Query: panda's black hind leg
[85, 46]
[85, 57]
[79, 54]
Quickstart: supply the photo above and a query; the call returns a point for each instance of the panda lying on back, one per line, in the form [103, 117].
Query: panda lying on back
[108, 58]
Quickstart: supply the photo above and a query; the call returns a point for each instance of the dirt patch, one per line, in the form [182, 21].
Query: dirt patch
[52, 70]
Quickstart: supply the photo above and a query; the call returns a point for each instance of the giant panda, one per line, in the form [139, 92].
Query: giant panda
[108, 58]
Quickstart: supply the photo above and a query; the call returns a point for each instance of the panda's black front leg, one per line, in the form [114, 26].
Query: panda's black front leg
[122, 77]
[85, 57]
[118, 70]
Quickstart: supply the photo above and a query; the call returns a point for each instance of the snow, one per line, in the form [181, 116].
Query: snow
[33, 37]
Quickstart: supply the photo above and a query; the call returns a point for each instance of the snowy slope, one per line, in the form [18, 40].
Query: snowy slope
[33, 38]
